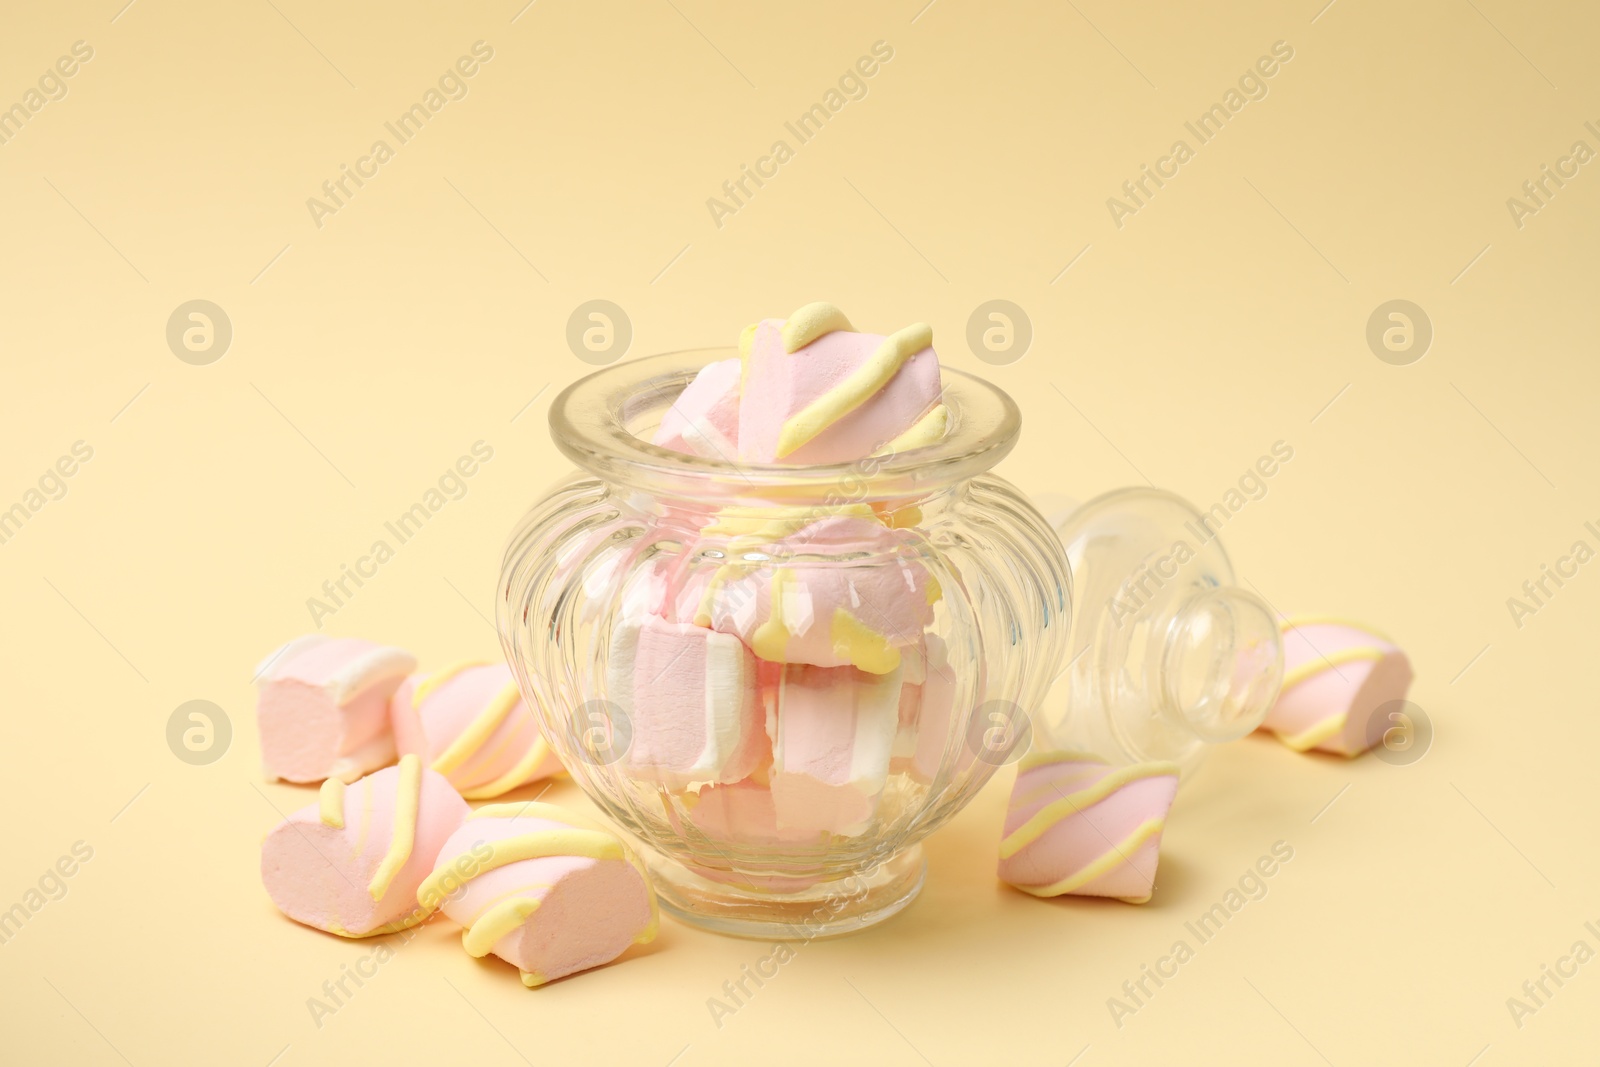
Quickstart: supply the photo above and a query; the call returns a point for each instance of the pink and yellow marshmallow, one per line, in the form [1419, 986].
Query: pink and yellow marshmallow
[470, 723]
[690, 699]
[830, 590]
[813, 390]
[351, 863]
[547, 890]
[837, 734]
[1337, 675]
[704, 419]
[927, 702]
[738, 813]
[1077, 824]
[833, 731]
[323, 707]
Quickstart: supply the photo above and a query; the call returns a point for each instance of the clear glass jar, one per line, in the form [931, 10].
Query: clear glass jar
[781, 678]
[1168, 656]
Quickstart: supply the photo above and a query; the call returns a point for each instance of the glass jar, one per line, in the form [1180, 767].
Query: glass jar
[1168, 656]
[781, 678]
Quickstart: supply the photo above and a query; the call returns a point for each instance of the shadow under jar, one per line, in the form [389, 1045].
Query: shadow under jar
[781, 678]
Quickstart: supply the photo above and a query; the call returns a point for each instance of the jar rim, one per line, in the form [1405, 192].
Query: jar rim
[594, 421]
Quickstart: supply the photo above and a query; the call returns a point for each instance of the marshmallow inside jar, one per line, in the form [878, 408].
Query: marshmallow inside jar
[782, 653]
[808, 586]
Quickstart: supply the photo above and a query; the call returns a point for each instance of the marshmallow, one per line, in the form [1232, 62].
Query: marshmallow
[704, 420]
[691, 699]
[351, 863]
[840, 590]
[545, 889]
[469, 723]
[738, 813]
[323, 708]
[927, 701]
[1337, 674]
[815, 391]
[833, 730]
[1076, 824]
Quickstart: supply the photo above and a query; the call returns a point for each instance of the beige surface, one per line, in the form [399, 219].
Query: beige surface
[429, 313]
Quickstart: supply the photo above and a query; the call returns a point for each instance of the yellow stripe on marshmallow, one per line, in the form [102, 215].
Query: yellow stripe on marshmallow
[856, 389]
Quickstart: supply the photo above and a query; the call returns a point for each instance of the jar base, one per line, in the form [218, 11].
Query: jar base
[820, 910]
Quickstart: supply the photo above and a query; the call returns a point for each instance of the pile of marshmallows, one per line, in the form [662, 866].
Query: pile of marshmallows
[800, 677]
[539, 886]
[783, 690]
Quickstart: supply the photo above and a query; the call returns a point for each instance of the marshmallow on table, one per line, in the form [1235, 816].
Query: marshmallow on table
[839, 590]
[704, 420]
[469, 723]
[323, 708]
[815, 391]
[1337, 674]
[543, 888]
[351, 863]
[1076, 824]
[833, 730]
[690, 699]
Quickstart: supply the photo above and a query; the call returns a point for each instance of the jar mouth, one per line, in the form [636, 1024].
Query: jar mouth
[602, 422]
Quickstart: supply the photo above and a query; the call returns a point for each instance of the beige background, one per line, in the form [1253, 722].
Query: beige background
[430, 312]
